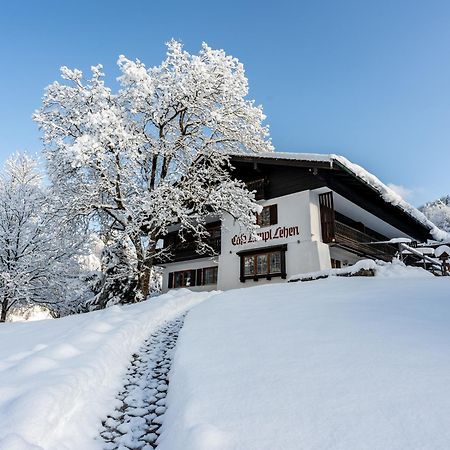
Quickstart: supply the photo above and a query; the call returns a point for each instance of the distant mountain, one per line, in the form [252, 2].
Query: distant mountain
[438, 212]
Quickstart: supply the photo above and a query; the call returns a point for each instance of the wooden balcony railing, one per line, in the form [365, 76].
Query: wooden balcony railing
[188, 249]
[362, 243]
[336, 232]
[214, 243]
[259, 186]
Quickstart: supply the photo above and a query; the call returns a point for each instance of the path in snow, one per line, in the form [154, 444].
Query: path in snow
[136, 422]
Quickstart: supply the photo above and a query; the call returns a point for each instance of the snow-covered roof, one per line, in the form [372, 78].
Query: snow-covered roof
[441, 250]
[386, 193]
[313, 157]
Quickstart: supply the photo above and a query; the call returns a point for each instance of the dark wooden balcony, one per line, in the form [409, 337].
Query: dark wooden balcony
[259, 186]
[182, 250]
[363, 243]
[350, 235]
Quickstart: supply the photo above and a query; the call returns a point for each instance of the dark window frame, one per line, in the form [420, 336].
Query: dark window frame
[198, 277]
[184, 274]
[201, 276]
[263, 251]
[273, 216]
[336, 263]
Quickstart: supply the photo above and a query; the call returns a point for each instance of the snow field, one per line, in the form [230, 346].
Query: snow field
[59, 378]
[136, 423]
[340, 363]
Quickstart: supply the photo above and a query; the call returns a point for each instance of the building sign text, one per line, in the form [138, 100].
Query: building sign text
[267, 235]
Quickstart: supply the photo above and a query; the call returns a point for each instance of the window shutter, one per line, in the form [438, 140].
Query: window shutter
[283, 263]
[327, 217]
[192, 275]
[242, 269]
[170, 285]
[199, 278]
[273, 214]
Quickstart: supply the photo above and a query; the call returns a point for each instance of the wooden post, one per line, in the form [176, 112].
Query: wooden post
[400, 251]
[445, 264]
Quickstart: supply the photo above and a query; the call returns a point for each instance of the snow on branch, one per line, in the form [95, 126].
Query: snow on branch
[129, 160]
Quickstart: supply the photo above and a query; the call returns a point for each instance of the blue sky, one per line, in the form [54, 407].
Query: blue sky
[369, 80]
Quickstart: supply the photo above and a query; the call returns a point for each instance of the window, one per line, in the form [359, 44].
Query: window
[275, 262]
[335, 264]
[194, 277]
[263, 263]
[249, 265]
[268, 216]
[209, 275]
[185, 278]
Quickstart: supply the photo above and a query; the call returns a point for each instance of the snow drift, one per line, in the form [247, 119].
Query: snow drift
[338, 363]
[59, 378]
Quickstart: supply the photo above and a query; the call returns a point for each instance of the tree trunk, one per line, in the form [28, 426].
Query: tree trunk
[145, 271]
[144, 282]
[144, 266]
[4, 310]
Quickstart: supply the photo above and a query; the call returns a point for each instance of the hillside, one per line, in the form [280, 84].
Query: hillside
[438, 211]
[340, 363]
[60, 378]
[355, 363]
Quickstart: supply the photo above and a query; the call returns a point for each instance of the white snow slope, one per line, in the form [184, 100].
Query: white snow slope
[59, 378]
[340, 363]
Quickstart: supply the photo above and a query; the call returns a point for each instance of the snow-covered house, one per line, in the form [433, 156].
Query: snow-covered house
[319, 211]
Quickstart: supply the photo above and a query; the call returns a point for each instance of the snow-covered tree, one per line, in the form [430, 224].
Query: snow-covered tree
[154, 153]
[438, 212]
[117, 281]
[37, 252]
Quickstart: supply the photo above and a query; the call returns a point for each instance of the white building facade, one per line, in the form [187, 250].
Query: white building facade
[315, 216]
